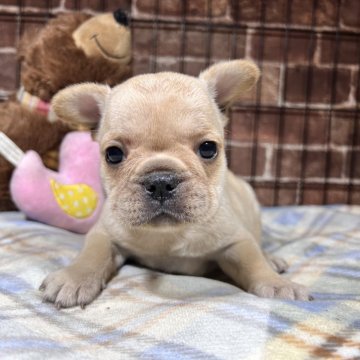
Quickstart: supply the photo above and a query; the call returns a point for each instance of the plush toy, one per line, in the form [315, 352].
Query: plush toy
[70, 198]
[72, 48]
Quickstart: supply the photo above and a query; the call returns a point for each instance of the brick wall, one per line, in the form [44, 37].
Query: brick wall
[296, 136]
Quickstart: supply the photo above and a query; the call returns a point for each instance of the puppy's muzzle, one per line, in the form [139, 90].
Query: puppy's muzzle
[161, 186]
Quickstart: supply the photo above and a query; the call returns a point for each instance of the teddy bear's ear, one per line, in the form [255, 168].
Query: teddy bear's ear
[227, 81]
[81, 104]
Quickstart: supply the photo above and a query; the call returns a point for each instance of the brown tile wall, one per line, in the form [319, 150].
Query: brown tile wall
[296, 137]
[293, 136]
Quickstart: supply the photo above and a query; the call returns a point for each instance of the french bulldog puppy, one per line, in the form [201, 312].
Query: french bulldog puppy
[171, 204]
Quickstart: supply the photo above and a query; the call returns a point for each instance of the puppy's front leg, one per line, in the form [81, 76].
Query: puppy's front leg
[82, 281]
[246, 264]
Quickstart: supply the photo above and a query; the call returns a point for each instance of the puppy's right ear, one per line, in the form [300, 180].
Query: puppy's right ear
[81, 104]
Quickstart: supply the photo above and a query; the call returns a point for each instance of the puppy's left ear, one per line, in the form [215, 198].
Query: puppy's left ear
[227, 81]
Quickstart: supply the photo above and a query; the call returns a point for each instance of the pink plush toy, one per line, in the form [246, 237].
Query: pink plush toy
[71, 198]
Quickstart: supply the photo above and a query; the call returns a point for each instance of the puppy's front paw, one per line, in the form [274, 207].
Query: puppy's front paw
[279, 288]
[277, 263]
[71, 286]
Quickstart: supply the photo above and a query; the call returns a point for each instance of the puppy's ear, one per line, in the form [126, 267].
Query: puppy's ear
[227, 81]
[81, 104]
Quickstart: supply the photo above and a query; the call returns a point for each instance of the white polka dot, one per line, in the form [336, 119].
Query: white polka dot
[88, 210]
[80, 189]
[79, 213]
[85, 200]
[66, 207]
[62, 196]
[70, 193]
[76, 203]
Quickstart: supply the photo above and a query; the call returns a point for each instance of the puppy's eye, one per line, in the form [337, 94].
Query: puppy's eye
[114, 155]
[208, 150]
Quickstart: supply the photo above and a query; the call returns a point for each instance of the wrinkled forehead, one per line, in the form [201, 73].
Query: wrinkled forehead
[165, 101]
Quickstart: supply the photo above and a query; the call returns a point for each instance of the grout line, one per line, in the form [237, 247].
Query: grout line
[307, 180]
[299, 147]
[269, 152]
[248, 42]
[7, 50]
[281, 100]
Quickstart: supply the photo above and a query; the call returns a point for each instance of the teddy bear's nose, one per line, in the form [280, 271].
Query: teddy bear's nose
[121, 17]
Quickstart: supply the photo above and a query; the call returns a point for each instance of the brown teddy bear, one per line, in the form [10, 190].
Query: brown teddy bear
[72, 48]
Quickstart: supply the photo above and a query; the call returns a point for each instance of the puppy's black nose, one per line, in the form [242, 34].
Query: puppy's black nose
[121, 17]
[161, 185]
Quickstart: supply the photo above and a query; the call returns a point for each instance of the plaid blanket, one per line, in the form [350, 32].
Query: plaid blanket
[144, 314]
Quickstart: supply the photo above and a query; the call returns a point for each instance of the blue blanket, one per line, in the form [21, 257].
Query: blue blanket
[144, 314]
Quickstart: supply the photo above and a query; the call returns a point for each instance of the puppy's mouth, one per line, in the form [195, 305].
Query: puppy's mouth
[166, 217]
[163, 219]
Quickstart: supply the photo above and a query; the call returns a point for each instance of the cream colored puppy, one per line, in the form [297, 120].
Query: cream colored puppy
[171, 203]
